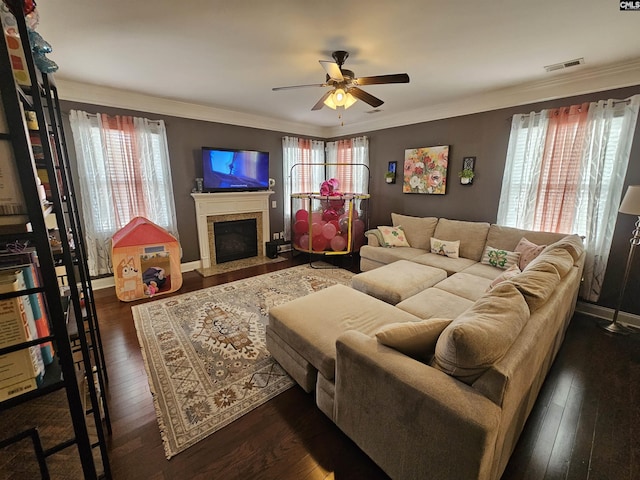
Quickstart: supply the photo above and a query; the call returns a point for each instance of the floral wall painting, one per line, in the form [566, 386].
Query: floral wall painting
[425, 170]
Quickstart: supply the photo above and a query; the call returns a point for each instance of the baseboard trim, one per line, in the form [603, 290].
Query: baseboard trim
[607, 314]
[106, 282]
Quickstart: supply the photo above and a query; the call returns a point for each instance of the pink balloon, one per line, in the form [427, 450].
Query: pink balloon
[335, 224]
[316, 217]
[304, 242]
[328, 231]
[302, 215]
[336, 203]
[316, 228]
[338, 243]
[319, 243]
[301, 226]
[329, 215]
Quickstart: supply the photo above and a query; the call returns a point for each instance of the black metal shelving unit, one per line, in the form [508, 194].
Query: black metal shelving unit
[64, 283]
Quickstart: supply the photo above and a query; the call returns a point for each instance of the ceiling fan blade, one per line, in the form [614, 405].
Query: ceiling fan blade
[382, 79]
[365, 97]
[320, 103]
[275, 89]
[332, 69]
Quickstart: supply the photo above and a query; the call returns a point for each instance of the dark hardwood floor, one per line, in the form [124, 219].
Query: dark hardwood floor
[585, 424]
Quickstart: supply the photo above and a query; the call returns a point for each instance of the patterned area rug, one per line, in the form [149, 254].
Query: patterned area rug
[205, 352]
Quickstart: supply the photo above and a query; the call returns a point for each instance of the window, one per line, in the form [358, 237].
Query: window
[565, 172]
[307, 178]
[123, 168]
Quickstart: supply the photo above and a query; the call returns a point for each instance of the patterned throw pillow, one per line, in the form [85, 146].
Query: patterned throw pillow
[528, 251]
[393, 236]
[500, 258]
[445, 248]
[510, 272]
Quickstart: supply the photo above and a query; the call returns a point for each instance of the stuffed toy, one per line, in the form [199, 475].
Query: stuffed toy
[154, 274]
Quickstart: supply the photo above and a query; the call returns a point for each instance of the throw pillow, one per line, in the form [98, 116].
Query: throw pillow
[446, 248]
[377, 235]
[415, 339]
[510, 272]
[393, 236]
[499, 258]
[528, 251]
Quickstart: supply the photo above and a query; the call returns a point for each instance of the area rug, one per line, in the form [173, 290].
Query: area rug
[237, 265]
[205, 351]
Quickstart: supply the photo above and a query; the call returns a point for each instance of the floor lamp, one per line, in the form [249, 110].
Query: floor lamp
[631, 206]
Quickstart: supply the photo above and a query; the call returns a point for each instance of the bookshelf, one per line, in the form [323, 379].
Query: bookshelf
[46, 280]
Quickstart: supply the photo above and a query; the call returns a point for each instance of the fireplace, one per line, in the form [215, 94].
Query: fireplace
[235, 239]
[212, 208]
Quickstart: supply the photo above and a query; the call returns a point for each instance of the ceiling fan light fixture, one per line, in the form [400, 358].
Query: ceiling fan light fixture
[339, 97]
[350, 100]
[329, 102]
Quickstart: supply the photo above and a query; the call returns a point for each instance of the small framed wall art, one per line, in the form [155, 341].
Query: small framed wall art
[390, 175]
[425, 170]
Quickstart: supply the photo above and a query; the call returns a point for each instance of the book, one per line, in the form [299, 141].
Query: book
[18, 261]
[15, 376]
[11, 199]
[17, 323]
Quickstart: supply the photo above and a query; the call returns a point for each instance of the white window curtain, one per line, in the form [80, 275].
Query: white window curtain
[354, 178]
[604, 158]
[611, 126]
[124, 172]
[301, 179]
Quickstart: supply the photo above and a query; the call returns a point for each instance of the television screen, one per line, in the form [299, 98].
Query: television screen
[240, 170]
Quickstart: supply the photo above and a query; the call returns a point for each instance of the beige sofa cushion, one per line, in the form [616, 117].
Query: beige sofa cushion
[571, 243]
[482, 270]
[417, 229]
[472, 236]
[434, 303]
[311, 324]
[465, 285]
[397, 281]
[481, 335]
[557, 257]
[507, 238]
[449, 265]
[414, 339]
[536, 283]
[388, 255]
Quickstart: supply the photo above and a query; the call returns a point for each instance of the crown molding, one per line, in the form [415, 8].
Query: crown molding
[111, 97]
[579, 82]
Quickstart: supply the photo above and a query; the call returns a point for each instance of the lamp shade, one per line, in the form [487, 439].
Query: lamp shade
[631, 201]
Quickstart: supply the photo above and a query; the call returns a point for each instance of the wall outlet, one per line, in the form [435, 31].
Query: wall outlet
[276, 236]
[273, 204]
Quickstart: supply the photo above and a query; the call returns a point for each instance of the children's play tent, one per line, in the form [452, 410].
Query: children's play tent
[146, 260]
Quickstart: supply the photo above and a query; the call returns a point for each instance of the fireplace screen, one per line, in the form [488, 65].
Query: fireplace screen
[235, 239]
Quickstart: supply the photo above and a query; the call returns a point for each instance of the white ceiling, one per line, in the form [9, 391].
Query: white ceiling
[219, 60]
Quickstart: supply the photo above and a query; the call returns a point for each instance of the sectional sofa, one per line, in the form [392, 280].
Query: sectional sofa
[432, 363]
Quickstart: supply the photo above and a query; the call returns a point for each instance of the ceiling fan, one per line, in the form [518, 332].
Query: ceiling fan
[346, 85]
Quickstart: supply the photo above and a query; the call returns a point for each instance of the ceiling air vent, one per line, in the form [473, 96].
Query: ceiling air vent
[563, 65]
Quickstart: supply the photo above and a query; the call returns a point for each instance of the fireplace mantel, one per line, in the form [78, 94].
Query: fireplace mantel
[212, 204]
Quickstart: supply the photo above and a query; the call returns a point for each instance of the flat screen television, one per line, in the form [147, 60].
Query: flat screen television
[225, 170]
